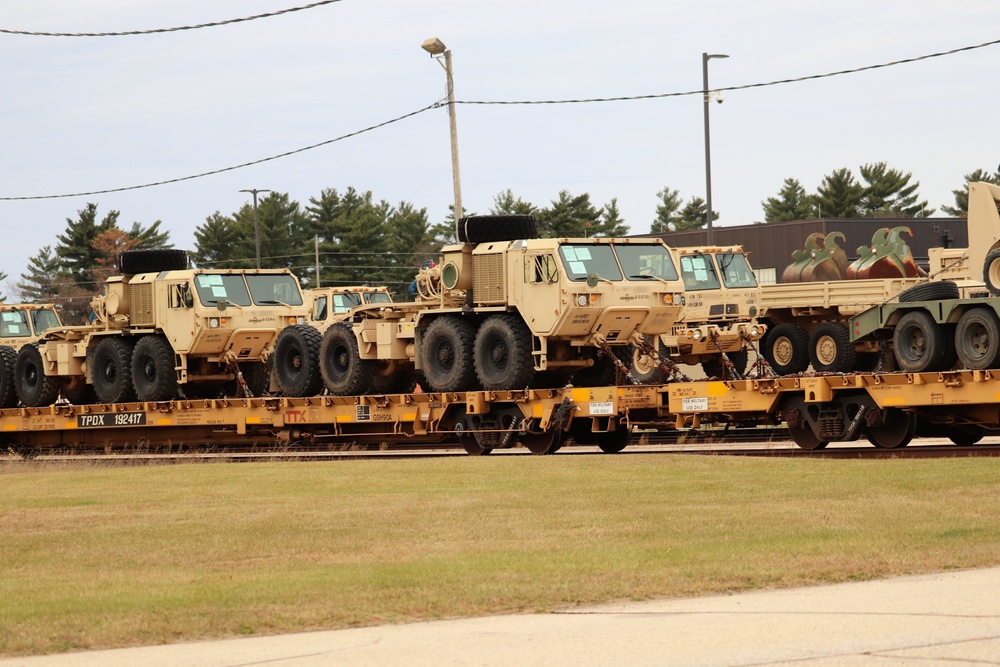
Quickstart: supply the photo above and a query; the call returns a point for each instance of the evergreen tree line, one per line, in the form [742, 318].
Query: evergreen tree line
[360, 240]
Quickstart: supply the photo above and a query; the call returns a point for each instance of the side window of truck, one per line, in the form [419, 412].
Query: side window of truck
[541, 269]
[180, 296]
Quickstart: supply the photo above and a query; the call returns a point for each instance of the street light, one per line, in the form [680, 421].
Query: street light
[436, 47]
[256, 225]
[705, 57]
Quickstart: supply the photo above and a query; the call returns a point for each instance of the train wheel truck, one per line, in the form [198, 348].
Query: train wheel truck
[505, 310]
[160, 330]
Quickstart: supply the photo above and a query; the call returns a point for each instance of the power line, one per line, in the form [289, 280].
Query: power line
[225, 169]
[743, 87]
[154, 31]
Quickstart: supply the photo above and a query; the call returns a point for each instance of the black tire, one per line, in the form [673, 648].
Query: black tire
[739, 359]
[919, 344]
[991, 271]
[932, 291]
[132, 262]
[111, 361]
[256, 375]
[489, 228]
[8, 387]
[502, 353]
[345, 373]
[34, 388]
[977, 339]
[786, 348]
[153, 374]
[643, 368]
[447, 354]
[392, 377]
[831, 349]
[296, 360]
[82, 396]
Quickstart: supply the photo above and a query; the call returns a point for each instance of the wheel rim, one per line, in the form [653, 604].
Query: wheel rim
[109, 372]
[341, 360]
[149, 369]
[445, 356]
[643, 363]
[783, 351]
[916, 344]
[826, 350]
[499, 355]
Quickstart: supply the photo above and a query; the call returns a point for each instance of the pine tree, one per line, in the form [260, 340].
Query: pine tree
[41, 282]
[792, 203]
[76, 246]
[667, 211]
[505, 203]
[569, 216]
[839, 195]
[215, 242]
[692, 216]
[961, 207]
[612, 225]
[888, 192]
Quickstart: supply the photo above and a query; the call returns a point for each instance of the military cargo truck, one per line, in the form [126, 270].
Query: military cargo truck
[161, 329]
[20, 325]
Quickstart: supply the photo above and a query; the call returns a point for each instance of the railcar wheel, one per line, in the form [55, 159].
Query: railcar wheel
[502, 353]
[787, 349]
[977, 339]
[448, 354]
[615, 441]
[896, 431]
[966, 436]
[919, 344]
[112, 364]
[34, 388]
[806, 439]
[152, 367]
[831, 349]
[297, 360]
[345, 373]
[8, 388]
[542, 443]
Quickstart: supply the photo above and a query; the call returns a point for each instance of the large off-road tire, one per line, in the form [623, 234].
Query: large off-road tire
[786, 348]
[34, 388]
[255, 374]
[297, 361]
[393, 377]
[153, 374]
[977, 339]
[739, 359]
[991, 271]
[932, 291]
[502, 355]
[132, 262]
[604, 372]
[345, 373]
[111, 361]
[8, 387]
[831, 349]
[447, 354]
[919, 343]
[489, 228]
[644, 368]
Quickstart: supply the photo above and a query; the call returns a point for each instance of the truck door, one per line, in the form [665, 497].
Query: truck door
[540, 304]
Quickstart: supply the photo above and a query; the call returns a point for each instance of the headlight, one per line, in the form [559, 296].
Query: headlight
[213, 323]
[697, 334]
[754, 331]
[582, 300]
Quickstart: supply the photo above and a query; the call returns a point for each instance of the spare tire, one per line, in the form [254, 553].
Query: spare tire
[932, 291]
[132, 262]
[489, 228]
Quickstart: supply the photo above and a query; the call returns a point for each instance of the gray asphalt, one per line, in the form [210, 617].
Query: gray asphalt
[949, 619]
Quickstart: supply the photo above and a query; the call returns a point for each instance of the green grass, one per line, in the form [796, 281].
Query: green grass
[95, 557]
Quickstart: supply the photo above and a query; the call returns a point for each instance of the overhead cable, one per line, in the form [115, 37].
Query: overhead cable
[743, 87]
[130, 33]
[233, 168]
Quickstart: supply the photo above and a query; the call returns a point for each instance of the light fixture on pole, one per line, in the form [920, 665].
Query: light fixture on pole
[705, 57]
[436, 47]
[256, 225]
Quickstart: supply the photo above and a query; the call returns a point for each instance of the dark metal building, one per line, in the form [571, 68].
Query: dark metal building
[770, 245]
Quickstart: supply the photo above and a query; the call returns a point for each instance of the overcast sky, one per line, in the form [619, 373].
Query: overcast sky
[94, 113]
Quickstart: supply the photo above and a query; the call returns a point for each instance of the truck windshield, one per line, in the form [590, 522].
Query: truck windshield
[698, 272]
[13, 324]
[274, 290]
[212, 287]
[646, 262]
[581, 260]
[735, 270]
[44, 319]
[377, 297]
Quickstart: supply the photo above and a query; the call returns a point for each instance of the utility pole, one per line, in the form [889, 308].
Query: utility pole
[256, 224]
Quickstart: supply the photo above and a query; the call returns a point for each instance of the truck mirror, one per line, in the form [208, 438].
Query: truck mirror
[221, 304]
[591, 280]
[188, 298]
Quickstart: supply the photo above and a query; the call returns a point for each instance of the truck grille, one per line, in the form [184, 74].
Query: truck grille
[488, 286]
[141, 305]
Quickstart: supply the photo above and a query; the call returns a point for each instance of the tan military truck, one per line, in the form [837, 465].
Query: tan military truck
[503, 309]
[20, 324]
[719, 316]
[160, 329]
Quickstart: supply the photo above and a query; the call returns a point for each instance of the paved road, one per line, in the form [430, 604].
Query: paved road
[946, 620]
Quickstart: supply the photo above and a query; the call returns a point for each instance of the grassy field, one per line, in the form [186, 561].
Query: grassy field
[94, 557]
